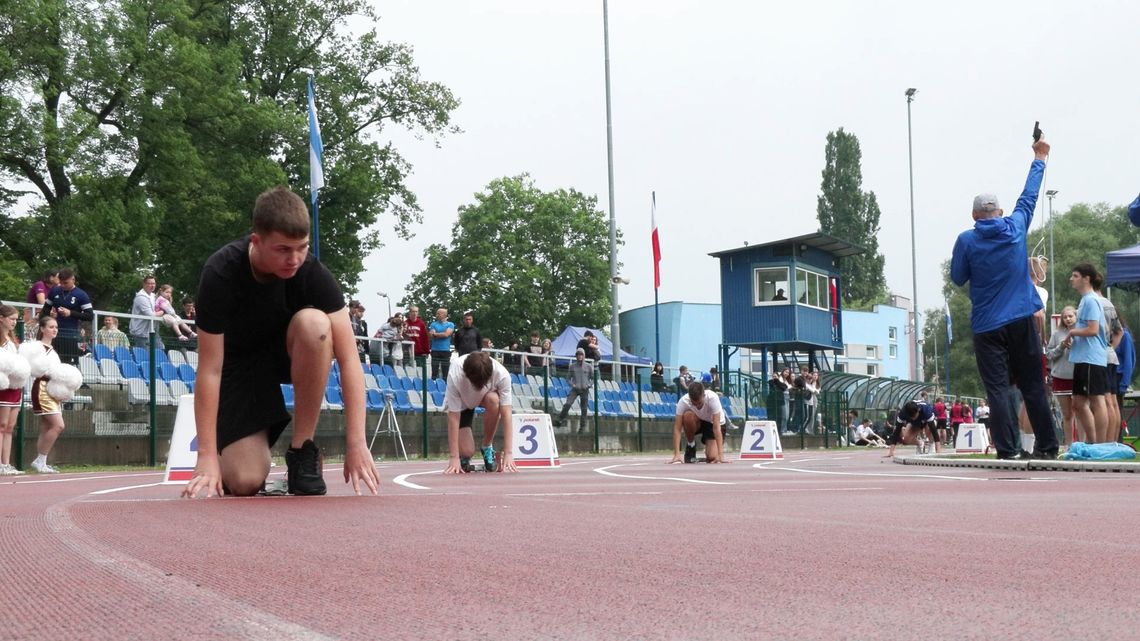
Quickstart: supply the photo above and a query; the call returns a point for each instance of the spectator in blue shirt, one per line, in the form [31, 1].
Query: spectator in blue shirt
[69, 306]
[1007, 347]
[440, 332]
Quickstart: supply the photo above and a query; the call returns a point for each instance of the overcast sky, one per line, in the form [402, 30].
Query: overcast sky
[723, 109]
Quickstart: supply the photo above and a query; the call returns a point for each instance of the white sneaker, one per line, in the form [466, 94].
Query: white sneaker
[6, 470]
[44, 468]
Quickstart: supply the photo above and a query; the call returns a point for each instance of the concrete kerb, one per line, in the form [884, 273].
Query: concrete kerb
[1033, 465]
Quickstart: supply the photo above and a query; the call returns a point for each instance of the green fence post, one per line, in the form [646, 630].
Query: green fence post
[597, 412]
[640, 428]
[152, 456]
[17, 460]
[423, 362]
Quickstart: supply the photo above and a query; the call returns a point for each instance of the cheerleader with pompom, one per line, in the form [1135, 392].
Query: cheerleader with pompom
[14, 372]
[43, 358]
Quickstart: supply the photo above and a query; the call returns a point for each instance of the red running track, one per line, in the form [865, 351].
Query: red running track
[819, 546]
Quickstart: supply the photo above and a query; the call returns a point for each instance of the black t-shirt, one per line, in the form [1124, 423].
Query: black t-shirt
[254, 315]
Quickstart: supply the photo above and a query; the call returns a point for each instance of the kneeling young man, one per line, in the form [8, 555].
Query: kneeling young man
[699, 412]
[476, 380]
[269, 313]
[912, 420]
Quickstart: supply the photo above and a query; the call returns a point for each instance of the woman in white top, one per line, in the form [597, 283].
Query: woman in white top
[43, 405]
[11, 398]
[1057, 351]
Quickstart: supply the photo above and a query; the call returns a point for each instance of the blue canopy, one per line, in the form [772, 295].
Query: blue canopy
[1123, 268]
[567, 343]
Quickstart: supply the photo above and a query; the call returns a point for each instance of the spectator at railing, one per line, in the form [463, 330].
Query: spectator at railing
[467, 338]
[389, 348]
[110, 335]
[657, 378]
[144, 305]
[533, 360]
[440, 332]
[415, 330]
[359, 328]
[70, 306]
[37, 295]
[513, 359]
[163, 303]
[682, 381]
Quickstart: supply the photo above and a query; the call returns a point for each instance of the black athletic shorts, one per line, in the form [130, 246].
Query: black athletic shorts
[707, 432]
[250, 399]
[466, 418]
[1089, 380]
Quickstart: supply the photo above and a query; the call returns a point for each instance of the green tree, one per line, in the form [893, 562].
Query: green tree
[849, 214]
[521, 259]
[1083, 234]
[135, 134]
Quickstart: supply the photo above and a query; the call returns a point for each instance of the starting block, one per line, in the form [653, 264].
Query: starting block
[183, 455]
[761, 440]
[534, 444]
[972, 439]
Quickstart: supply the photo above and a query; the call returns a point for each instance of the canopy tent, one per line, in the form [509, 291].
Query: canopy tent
[567, 343]
[1123, 268]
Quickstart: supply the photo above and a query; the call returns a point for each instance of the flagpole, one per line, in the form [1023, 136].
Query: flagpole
[656, 282]
[316, 171]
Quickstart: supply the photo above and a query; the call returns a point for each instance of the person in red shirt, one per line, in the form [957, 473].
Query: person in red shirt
[415, 330]
[940, 418]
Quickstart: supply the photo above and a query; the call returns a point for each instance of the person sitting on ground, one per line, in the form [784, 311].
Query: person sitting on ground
[865, 435]
[911, 422]
[270, 313]
[478, 380]
[699, 412]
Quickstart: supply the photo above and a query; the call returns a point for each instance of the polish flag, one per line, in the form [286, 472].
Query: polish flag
[656, 246]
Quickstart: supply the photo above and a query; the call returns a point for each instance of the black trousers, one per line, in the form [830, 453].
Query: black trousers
[1007, 356]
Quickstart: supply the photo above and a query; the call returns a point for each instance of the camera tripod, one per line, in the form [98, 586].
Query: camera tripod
[390, 425]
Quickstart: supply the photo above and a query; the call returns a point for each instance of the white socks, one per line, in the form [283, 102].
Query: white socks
[1028, 441]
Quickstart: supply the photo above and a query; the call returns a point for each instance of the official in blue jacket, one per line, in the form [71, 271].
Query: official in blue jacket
[992, 258]
[1126, 352]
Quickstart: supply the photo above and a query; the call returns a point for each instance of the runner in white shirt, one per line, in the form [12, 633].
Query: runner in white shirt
[475, 380]
[699, 412]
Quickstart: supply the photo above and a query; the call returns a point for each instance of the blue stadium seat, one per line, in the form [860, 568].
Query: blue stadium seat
[332, 395]
[160, 356]
[387, 369]
[437, 398]
[123, 354]
[383, 383]
[287, 394]
[377, 370]
[140, 354]
[167, 372]
[402, 402]
[417, 384]
[102, 351]
[408, 384]
[375, 400]
[130, 370]
[186, 373]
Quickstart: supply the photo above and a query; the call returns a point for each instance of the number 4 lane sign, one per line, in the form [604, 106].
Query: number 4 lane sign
[761, 440]
[534, 443]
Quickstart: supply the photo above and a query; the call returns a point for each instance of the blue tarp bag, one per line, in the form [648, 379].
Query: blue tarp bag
[1079, 451]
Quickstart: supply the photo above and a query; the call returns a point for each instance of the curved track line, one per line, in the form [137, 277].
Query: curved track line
[127, 487]
[403, 480]
[605, 471]
[761, 466]
[225, 611]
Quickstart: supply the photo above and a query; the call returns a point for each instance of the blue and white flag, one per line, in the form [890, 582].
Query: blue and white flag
[949, 329]
[316, 149]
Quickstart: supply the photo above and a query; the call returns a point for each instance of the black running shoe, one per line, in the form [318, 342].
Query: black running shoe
[305, 470]
[690, 453]
[465, 464]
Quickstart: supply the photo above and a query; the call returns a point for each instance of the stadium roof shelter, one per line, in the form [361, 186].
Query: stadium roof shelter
[872, 393]
[567, 342]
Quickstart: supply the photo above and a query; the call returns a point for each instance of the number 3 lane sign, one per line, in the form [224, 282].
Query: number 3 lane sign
[534, 441]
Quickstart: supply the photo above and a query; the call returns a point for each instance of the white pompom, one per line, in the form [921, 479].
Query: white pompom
[37, 358]
[65, 379]
[4, 384]
[19, 372]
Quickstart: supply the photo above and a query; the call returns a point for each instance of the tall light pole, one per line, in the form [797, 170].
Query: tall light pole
[615, 330]
[913, 245]
[385, 297]
[1052, 270]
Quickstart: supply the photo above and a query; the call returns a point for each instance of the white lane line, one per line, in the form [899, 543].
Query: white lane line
[71, 479]
[823, 489]
[588, 494]
[760, 466]
[124, 488]
[403, 479]
[606, 471]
